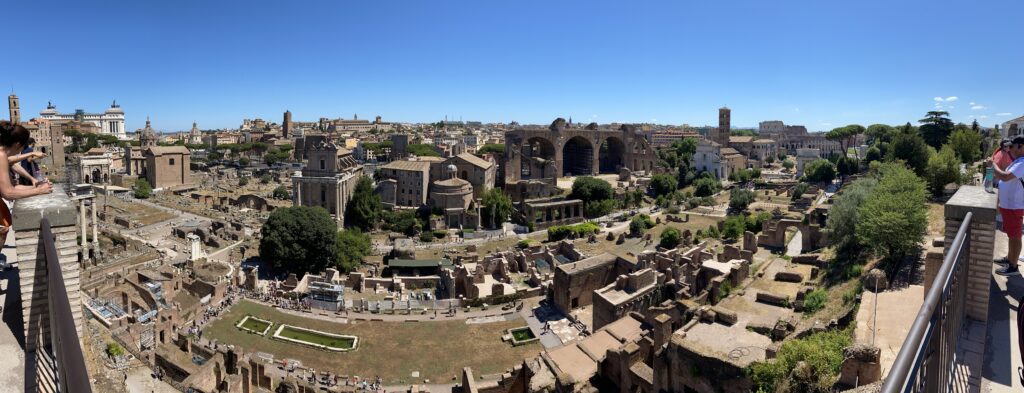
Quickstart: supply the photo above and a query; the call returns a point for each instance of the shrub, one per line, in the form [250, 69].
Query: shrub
[740, 198]
[243, 181]
[142, 189]
[822, 352]
[670, 238]
[815, 300]
[706, 186]
[756, 221]
[799, 191]
[560, 232]
[426, 237]
[525, 243]
[820, 171]
[663, 184]
[734, 227]
[114, 349]
[440, 234]
[639, 224]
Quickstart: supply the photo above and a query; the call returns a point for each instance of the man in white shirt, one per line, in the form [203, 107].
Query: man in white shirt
[1011, 204]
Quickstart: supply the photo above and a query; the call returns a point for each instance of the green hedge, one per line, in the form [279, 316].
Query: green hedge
[560, 232]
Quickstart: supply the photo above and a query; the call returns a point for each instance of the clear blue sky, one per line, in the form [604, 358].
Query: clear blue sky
[820, 63]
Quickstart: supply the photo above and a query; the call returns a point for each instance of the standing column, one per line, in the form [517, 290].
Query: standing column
[82, 224]
[95, 228]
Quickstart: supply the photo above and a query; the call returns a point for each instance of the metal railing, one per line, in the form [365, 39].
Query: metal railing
[65, 349]
[926, 360]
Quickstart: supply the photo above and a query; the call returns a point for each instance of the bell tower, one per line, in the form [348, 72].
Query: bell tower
[724, 114]
[12, 103]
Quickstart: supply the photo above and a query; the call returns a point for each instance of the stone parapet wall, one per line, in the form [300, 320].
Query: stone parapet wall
[31, 260]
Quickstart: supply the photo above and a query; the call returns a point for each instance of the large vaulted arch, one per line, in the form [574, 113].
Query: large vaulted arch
[577, 157]
[612, 155]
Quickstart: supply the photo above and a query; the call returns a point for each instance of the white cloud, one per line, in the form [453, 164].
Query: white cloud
[938, 99]
[977, 107]
[972, 103]
[1004, 114]
[952, 98]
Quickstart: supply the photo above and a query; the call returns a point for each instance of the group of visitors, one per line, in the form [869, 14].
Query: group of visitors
[1008, 174]
[22, 180]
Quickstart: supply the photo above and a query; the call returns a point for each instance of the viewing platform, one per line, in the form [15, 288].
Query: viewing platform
[42, 311]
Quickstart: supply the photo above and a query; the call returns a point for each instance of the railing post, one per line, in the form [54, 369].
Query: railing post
[982, 205]
[63, 217]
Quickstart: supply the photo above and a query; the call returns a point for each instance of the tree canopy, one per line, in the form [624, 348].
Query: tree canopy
[350, 247]
[280, 192]
[663, 184]
[910, 148]
[364, 209]
[706, 186]
[966, 144]
[943, 168]
[740, 198]
[936, 128]
[496, 207]
[142, 189]
[589, 189]
[893, 219]
[299, 238]
[819, 171]
[670, 238]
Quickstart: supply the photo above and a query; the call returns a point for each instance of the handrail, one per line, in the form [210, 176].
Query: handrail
[64, 343]
[911, 357]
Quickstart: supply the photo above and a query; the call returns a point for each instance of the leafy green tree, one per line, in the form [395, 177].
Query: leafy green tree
[910, 148]
[491, 148]
[594, 209]
[706, 186]
[843, 217]
[639, 224]
[733, 227]
[142, 189]
[663, 184]
[879, 133]
[243, 161]
[873, 154]
[670, 238]
[943, 168]
[497, 207]
[845, 135]
[966, 143]
[364, 209]
[300, 239]
[403, 221]
[740, 198]
[280, 192]
[936, 128]
[422, 150]
[893, 219]
[678, 155]
[847, 166]
[351, 245]
[819, 171]
[589, 189]
[786, 163]
[799, 190]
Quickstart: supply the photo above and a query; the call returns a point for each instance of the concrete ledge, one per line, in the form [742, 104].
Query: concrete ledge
[56, 206]
[972, 199]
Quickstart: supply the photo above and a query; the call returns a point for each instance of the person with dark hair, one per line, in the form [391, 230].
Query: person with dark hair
[13, 139]
[31, 174]
[1011, 204]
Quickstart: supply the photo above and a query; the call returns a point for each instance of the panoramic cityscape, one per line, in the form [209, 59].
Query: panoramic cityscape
[512, 198]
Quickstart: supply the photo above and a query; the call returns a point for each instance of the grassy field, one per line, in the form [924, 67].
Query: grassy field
[316, 338]
[393, 350]
[255, 325]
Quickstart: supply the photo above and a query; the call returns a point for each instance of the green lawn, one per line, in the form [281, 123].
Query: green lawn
[438, 350]
[316, 338]
[522, 334]
[255, 325]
